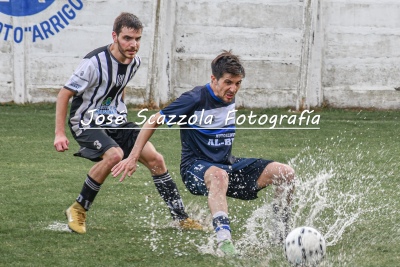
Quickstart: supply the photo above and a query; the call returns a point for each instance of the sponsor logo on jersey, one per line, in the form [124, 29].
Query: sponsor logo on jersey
[74, 85]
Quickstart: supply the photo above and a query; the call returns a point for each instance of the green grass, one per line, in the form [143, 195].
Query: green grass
[348, 171]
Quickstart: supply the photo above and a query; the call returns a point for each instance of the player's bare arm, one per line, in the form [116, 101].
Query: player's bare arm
[61, 141]
[128, 166]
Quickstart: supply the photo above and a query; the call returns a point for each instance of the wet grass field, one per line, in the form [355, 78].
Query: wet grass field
[348, 183]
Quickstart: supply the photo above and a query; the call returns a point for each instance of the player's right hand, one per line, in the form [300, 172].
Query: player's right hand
[61, 143]
[127, 167]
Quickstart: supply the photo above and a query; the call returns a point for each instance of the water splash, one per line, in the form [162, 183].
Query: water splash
[334, 190]
[58, 226]
[336, 187]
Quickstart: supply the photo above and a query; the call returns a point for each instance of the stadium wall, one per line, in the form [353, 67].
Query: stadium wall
[297, 53]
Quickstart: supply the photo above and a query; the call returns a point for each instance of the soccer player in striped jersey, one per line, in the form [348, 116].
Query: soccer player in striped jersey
[207, 166]
[98, 122]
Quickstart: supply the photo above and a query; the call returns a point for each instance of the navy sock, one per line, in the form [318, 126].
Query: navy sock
[221, 226]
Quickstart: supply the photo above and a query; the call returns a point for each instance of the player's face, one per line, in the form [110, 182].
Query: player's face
[226, 87]
[128, 43]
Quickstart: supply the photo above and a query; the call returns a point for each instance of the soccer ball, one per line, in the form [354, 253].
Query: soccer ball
[305, 246]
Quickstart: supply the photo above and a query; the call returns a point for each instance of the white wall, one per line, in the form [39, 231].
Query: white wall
[361, 65]
[266, 34]
[296, 52]
[35, 71]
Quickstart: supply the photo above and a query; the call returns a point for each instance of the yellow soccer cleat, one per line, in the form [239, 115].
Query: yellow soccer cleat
[189, 224]
[76, 216]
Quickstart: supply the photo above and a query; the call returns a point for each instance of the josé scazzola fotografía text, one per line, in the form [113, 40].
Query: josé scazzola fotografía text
[202, 119]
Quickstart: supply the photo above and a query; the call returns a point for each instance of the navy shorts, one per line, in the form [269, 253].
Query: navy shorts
[95, 142]
[243, 175]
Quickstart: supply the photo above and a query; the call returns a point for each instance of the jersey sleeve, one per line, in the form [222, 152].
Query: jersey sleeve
[84, 76]
[183, 106]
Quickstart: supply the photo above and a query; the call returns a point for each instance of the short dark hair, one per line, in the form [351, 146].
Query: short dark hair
[128, 20]
[226, 62]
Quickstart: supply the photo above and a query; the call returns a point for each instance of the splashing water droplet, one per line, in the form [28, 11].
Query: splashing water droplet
[334, 186]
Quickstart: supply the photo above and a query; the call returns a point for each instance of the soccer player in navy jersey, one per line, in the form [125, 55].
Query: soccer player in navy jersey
[97, 119]
[205, 115]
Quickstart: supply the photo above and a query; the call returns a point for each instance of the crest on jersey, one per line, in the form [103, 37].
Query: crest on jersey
[120, 79]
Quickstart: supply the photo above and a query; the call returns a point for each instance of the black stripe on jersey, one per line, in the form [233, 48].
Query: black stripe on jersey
[110, 76]
[96, 51]
[136, 62]
[121, 70]
[76, 103]
[133, 66]
[97, 88]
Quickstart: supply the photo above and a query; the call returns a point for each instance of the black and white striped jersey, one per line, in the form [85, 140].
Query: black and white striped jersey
[98, 83]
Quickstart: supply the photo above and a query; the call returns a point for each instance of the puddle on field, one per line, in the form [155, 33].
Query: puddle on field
[58, 227]
[334, 191]
[336, 188]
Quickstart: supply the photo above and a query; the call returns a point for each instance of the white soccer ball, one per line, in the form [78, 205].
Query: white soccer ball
[305, 246]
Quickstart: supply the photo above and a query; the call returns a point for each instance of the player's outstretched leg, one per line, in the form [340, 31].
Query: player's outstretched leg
[76, 213]
[169, 192]
[282, 209]
[282, 176]
[166, 187]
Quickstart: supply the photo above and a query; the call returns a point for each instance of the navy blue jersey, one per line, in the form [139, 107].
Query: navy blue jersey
[207, 126]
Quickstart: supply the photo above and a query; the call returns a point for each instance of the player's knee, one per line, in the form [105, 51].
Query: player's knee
[278, 174]
[288, 174]
[155, 161]
[158, 160]
[219, 178]
[113, 156]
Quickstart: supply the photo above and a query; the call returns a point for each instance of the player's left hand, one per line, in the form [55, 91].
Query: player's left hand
[127, 167]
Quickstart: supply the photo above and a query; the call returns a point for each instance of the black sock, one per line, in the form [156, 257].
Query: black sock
[169, 192]
[89, 191]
